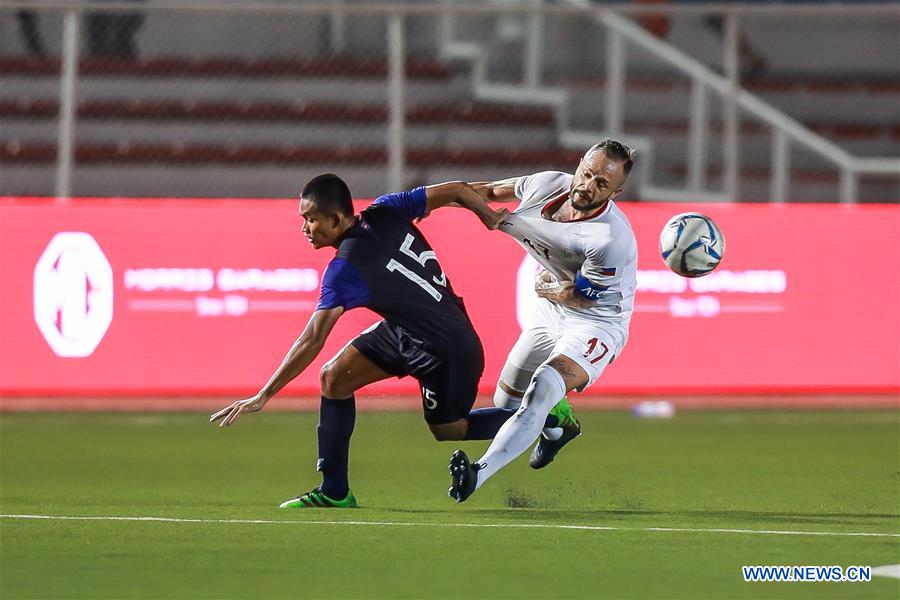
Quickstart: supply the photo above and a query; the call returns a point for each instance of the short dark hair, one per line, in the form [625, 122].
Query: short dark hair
[616, 151]
[330, 194]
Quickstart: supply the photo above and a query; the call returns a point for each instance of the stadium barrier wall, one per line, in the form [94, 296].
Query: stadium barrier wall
[187, 297]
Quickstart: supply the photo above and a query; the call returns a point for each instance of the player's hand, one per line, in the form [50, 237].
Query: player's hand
[544, 283]
[493, 218]
[235, 409]
[560, 292]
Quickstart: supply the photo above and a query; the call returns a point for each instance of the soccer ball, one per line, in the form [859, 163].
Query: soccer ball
[691, 244]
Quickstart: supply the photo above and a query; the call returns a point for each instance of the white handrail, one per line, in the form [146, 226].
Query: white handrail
[780, 166]
[68, 90]
[699, 130]
[534, 46]
[732, 136]
[615, 84]
[396, 102]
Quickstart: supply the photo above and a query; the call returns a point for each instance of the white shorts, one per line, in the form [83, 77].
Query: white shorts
[591, 343]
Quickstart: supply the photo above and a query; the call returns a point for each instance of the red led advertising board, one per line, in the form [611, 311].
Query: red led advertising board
[181, 297]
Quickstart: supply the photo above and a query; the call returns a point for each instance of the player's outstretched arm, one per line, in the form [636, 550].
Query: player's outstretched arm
[462, 194]
[497, 191]
[303, 352]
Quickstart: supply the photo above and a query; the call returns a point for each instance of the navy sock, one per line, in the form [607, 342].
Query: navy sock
[336, 421]
[484, 423]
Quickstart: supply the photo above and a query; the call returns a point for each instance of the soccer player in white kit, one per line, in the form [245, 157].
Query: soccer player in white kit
[571, 226]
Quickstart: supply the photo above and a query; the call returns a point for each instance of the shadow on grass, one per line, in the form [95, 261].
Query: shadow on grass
[663, 518]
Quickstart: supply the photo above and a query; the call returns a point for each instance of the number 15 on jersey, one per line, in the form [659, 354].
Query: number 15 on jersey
[394, 265]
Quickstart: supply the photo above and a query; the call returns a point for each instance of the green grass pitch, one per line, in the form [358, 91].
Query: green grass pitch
[835, 472]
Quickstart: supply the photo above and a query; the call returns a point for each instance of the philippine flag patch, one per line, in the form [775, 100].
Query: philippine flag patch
[607, 271]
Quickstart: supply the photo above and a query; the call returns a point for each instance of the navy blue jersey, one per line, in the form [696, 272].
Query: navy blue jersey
[385, 264]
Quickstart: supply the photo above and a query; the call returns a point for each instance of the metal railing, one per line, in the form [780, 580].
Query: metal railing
[786, 130]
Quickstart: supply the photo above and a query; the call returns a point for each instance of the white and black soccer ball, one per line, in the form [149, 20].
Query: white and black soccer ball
[691, 244]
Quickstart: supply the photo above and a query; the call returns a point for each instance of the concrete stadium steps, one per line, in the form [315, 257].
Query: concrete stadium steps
[444, 125]
[190, 154]
[286, 134]
[236, 180]
[463, 124]
[328, 139]
[867, 102]
[199, 80]
[872, 101]
[469, 112]
[183, 66]
[671, 140]
[863, 100]
[806, 184]
[254, 181]
[668, 81]
[285, 89]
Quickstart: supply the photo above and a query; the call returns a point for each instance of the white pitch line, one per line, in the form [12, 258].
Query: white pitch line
[476, 525]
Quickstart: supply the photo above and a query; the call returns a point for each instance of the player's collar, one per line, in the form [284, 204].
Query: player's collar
[553, 205]
[349, 231]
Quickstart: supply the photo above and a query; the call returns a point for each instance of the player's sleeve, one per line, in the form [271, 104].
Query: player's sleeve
[535, 188]
[410, 204]
[342, 285]
[603, 268]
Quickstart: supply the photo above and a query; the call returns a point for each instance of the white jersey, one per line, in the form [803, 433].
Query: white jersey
[602, 247]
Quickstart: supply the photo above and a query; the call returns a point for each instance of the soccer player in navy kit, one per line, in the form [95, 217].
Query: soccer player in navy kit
[384, 263]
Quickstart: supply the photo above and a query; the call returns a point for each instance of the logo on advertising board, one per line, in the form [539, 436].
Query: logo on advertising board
[222, 292]
[73, 294]
[662, 291]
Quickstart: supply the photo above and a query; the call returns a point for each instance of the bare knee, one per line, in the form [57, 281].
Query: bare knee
[329, 378]
[446, 432]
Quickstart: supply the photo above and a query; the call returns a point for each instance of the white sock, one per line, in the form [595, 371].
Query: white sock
[520, 431]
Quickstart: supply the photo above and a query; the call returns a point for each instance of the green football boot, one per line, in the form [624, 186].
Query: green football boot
[546, 450]
[316, 499]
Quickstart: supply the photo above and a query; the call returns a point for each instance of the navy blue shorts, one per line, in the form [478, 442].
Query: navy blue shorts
[448, 379]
